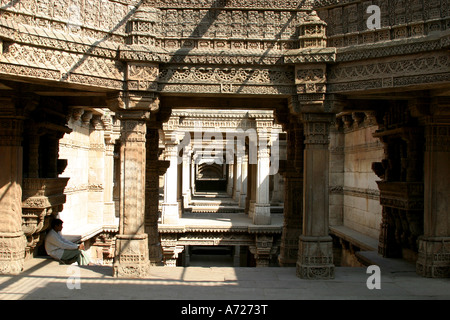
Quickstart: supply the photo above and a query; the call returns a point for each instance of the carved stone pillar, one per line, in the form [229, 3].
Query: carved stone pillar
[262, 201]
[238, 178]
[186, 178]
[192, 182]
[434, 245]
[170, 206]
[293, 195]
[315, 259]
[131, 256]
[96, 178]
[244, 179]
[110, 141]
[251, 190]
[230, 180]
[152, 196]
[12, 239]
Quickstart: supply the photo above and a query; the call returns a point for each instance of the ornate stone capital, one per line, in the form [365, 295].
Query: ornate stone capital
[115, 101]
[317, 128]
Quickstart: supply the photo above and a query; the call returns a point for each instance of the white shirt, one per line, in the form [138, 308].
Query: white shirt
[55, 244]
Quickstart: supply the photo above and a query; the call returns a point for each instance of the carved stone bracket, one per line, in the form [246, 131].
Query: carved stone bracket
[263, 249]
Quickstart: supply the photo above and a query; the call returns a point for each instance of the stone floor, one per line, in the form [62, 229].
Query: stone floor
[45, 279]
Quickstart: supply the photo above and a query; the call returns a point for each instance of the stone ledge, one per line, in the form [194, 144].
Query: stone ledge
[356, 238]
[85, 232]
[387, 265]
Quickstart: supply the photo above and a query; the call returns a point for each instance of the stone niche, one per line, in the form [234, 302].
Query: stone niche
[42, 200]
[401, 186]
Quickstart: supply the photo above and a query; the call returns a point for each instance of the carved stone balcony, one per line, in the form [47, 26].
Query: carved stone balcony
[401, 195]
[42, 198]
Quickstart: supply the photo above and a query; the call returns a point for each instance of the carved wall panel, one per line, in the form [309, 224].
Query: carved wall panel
[399, 20]
[402, 185]
[61, 66]
[216, 79]
[388, 73]
[84, 17]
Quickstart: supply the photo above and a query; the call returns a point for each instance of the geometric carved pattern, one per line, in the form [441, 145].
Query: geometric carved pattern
[227, 80]
[60, 65]
[399, 19]
[386, 74]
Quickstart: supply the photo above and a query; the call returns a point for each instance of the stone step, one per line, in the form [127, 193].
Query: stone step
[217, 209]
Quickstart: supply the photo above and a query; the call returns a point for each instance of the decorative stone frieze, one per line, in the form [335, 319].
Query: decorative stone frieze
[398, 20]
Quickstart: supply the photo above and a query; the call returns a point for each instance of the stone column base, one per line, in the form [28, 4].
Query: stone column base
[131, 258]
[315, 258]
[155, 254]
[242, 200]
[262, 214]
[12, 253]
[289, 247]
[434, 257]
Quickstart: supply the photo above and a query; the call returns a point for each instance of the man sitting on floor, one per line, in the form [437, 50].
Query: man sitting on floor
[62, 249]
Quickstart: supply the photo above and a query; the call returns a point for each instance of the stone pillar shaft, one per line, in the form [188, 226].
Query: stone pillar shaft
[109, 211]
[315, 259]
[434, 245]
[170, 206]
[238, 177]
[186, 190]
[244, 179]
[12, 238]
[293, 197]
[152, 197]
[131, 257]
